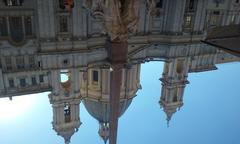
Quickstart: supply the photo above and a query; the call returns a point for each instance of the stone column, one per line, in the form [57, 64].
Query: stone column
[55, 82]
[75, 80]
[175, 13]
[46, 18]
[77, 16]
[200, 15]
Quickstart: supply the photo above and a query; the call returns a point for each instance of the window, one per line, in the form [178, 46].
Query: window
[28, 25]
[23, 82]
[216, 12]
[13, 2]
[19, 27]
[64, 76]
[31, 61]
[215, 18]
[41, 78]
[63, 24]
[187, 23]
[61, 4]
[217, 2]
[67, 113]
[11, 83]
[3, 26]
[191, 5]
[65, 62]
[188, 20]
[34, 81]
[95, 76]
[20, 62]
[159, 4]
[16, 29]
[175, 99]
[8, 61]
[39, 64]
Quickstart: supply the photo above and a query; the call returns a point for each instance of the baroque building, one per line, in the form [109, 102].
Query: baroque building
[43, 40]
[95, 90]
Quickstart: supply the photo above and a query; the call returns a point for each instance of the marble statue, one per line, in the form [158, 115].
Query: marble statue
[120, 16]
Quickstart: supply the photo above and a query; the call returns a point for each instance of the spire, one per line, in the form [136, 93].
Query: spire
[169, 117]
[105, 140]
[104, 131]
[67, 141]
[66, 134]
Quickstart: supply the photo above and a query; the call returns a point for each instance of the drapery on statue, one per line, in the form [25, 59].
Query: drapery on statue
[120, 16]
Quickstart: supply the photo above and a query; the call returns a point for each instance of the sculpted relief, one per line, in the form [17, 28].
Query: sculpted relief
[120, 16]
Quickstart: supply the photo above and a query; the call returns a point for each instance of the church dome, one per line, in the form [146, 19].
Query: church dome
[101, 110]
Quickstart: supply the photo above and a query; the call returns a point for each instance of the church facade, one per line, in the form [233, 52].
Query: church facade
[42, 40]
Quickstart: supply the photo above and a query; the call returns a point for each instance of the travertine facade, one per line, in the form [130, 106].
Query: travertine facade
[40, 40]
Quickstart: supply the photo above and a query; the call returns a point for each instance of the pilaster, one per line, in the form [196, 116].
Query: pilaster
[1, 82]
[200, 15]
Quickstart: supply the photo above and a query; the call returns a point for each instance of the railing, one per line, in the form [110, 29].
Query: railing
[216, 18]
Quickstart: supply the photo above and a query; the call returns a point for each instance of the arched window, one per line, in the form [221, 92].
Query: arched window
[16, 29]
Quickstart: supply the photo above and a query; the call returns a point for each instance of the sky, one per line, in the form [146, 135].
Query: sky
[210, 113]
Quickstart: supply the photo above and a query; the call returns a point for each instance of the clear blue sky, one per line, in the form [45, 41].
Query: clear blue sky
[210, 115]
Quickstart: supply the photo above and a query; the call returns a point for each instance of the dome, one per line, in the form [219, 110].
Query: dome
[101, 110]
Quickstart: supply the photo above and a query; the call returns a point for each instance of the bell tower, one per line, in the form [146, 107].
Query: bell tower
[65, 103]
[174, 80]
